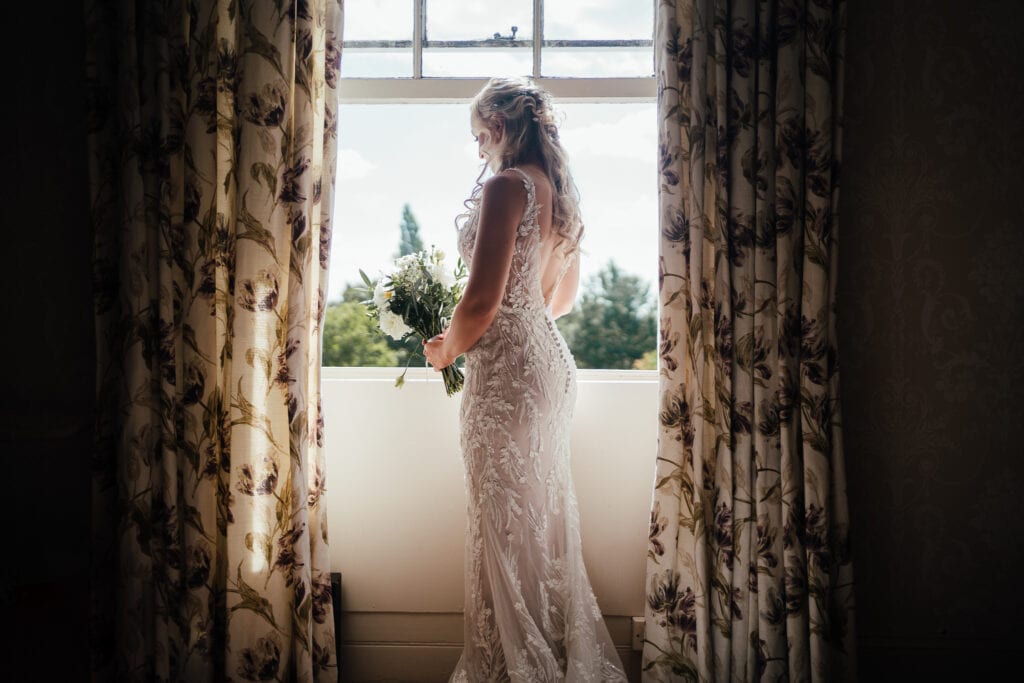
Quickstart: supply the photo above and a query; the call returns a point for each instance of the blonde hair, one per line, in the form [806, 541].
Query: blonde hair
[528, 114]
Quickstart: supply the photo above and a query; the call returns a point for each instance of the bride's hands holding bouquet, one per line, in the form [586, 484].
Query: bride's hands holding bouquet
[437, 353]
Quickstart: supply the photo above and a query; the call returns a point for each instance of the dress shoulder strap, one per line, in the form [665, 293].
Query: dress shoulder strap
[529, 223]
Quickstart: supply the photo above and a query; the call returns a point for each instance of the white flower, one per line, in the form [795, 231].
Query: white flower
[380, 296]
[441, 274]
[406, 261]
[392, 324]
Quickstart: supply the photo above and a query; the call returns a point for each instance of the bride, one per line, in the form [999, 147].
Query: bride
[531, 615]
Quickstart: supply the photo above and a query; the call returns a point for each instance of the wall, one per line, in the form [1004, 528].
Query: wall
[931, 297]
[396, 509]
[930, 317]
[46, 388]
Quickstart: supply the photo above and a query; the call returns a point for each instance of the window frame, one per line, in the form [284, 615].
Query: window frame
[418, 88]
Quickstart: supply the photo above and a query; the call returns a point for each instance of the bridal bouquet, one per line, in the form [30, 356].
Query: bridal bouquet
[418, 297]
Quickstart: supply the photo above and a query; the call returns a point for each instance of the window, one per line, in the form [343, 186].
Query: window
[409, 68]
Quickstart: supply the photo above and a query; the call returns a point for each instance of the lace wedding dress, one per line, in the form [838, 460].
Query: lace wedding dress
[530, 613]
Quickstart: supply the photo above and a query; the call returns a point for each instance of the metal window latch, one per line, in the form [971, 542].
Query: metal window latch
[498, 36]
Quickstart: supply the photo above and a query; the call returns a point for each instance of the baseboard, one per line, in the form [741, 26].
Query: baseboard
[395, 647]
[424, 648]
[398, 663]
[423, 662]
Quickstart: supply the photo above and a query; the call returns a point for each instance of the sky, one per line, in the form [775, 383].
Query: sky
[424, 154]
[455, 19]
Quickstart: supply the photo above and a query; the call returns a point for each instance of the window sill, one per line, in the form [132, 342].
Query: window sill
[420, 374]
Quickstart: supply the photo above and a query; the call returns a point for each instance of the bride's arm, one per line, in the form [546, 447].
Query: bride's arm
[501, 209]
[564, 297]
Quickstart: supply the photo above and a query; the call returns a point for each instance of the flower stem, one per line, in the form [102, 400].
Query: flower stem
[454, 380]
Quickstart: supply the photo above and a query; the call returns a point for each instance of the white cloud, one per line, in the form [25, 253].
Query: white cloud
[634, 136]
[378, 19]
[598, 61]
[461, 19]
[598, 19]
[352, 165]
[458, 19]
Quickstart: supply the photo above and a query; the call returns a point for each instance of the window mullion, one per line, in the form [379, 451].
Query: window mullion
[538, 35]
[419, 29]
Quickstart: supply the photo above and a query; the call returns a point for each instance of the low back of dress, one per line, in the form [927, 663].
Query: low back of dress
[531, 615]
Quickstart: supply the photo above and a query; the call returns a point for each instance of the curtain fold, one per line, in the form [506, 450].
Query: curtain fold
[212, 160]
[749, 573]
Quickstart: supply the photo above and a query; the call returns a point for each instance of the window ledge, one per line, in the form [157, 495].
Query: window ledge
[419, 374]
[458, 89]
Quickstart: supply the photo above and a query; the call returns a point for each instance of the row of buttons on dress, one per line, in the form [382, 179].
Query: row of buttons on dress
[561, 350]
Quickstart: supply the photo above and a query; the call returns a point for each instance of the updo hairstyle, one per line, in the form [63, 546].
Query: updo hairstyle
[530, 130]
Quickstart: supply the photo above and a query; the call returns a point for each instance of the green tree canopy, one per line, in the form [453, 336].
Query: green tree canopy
[355, 293]
[409, 241]
[401, 351]
[351, 338]
[613, 325]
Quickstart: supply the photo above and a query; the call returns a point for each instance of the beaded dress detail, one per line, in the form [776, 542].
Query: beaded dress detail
[530, 611]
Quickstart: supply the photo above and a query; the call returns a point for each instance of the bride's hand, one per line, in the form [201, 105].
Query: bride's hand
[434, 350]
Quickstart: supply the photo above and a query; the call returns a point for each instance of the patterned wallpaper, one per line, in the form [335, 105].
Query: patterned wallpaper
[931, 314]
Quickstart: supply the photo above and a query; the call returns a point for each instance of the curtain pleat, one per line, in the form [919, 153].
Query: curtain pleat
[212, 161]
[749, 574]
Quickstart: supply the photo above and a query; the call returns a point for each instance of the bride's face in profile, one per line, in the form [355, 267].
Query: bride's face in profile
[488, 141]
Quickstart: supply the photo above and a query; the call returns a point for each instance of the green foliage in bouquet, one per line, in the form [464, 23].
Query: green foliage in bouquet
[417, 298]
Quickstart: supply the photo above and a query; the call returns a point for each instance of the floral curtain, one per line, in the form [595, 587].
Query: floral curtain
[749, 572]
[212, 161]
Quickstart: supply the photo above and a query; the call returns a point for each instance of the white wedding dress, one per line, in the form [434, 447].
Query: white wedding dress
[530, 613]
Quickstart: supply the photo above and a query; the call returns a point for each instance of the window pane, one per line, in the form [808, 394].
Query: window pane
[612, 151]
[592, 62]
[378, 20]
[386, 161]
[376, 62]
[452, 20]
[598, 19]
[461, 20]
[484, 61]
[390, 155]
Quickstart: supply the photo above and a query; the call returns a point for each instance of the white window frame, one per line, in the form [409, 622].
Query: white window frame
[419, 89]
[441, 90]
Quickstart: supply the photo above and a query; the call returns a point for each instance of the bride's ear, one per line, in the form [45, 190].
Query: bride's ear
[498, 127]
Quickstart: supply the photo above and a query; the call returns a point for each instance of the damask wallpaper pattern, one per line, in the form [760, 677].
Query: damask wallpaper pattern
[931, 315]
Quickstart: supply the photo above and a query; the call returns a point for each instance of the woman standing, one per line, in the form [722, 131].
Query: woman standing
[531, 615]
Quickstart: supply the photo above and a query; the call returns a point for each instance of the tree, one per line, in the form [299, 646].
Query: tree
[355, 293]
[400, 350]
[613, 325]
[351, 338]
[648, 361]
[409, 241]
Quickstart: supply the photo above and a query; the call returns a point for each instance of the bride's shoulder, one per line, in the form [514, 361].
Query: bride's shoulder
[507, 184]
[538, 178]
